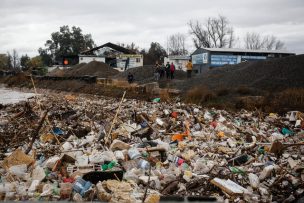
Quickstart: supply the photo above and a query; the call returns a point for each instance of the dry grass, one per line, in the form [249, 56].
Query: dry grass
[292, 97]
[289, 99]
[199, 95]
[120, 83]
[164, 95]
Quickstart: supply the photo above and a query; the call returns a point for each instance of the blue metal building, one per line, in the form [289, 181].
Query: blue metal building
[205, 58]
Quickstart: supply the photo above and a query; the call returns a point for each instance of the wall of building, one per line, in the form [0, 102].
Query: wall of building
[180, 64]
[134, 61]
[88, 59]
[201, 61]
[204, 59]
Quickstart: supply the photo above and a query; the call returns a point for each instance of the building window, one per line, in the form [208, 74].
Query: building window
[137, 60]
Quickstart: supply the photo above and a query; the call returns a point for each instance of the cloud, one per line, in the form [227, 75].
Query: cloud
[26, 25]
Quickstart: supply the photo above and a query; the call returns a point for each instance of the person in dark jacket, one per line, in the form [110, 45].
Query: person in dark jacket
[130, 77]
[172, 70]
[162, 71]
[156, 71]
[168, 70]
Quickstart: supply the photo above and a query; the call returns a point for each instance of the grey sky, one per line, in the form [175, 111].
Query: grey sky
[26, 24]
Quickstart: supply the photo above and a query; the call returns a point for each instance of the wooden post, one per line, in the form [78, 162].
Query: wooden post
[115, 117]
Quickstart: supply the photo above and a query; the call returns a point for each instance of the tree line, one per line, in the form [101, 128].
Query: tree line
[214, 32]
[12, 61]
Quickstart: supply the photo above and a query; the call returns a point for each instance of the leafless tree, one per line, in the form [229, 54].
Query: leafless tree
[15, 59]
[9, 60]
[216, 32]
[131, 46]
[256, 41]
[176, 44]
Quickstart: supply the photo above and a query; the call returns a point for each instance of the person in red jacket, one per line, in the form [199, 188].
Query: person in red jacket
[172, 70]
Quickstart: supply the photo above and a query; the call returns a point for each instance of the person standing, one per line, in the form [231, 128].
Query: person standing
[189, 67]
[127, 63]
[172, 70]
[168, 70]
[162, 71]
[130, 77]
[156, 72]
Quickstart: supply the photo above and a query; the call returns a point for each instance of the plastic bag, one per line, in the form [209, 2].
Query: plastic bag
[18, 170]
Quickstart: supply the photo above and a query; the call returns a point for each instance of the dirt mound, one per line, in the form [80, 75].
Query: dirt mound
[271, 75]
[93, 68]
[56, 72]
[145, 74]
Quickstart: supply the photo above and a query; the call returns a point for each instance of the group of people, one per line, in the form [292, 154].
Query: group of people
[161, 71]
[168, 70]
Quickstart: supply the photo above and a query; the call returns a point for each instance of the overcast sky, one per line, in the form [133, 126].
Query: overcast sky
[25, 25]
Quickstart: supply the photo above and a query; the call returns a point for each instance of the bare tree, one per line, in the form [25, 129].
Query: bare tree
[176, 44]
[256, 41]
[15, 59]
[216, 32]
[9, 61]
[131, 46]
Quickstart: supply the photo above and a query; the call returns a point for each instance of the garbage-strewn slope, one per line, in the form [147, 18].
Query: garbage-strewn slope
[274, 74]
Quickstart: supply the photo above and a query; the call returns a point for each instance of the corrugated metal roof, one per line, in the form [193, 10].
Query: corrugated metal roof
[247, 50]
[111, 45]
[179, 57]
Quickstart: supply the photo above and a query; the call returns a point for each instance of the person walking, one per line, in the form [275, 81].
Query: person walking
[189, 67]
[168, 70]
[172, 70]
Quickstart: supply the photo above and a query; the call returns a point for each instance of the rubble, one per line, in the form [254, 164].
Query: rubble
[96, 148]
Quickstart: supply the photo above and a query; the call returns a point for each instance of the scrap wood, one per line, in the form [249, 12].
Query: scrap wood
[278, 147]
[171, 187]
[18, 157]
[36, 132]
[228, 186]
[114, 119]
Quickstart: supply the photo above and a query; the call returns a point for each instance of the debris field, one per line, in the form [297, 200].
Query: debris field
[92, 148]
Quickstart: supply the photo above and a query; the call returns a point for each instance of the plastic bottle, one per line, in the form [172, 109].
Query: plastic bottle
[266, 172]
[254, 180]
[134, 153]
[143, 164]
[81, 186]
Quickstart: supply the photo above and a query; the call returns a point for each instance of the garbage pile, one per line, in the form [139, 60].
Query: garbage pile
[89, 148]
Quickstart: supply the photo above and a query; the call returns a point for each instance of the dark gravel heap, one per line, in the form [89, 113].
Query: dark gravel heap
[93, 68]
[271, 75]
